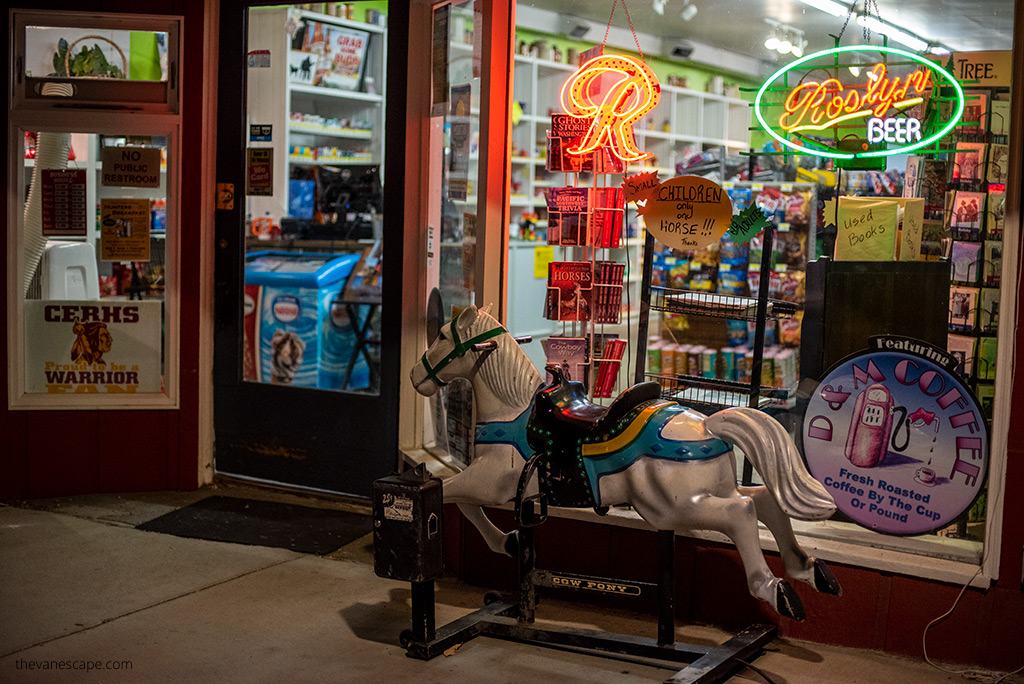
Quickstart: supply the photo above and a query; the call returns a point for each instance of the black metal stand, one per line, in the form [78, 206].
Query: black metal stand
[514, 620]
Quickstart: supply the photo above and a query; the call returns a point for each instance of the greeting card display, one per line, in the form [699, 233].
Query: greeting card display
[963, 308]
[988, 310]
[992, 263]
[608, 301]
[565, 132]
[570, 291]
[975, 109]
[605, 207]
[985, 361]
[966, 216]
[999, 121]
[965, 258]
[567, 216]
[569, 354]
[962, 349]
[968, 162]
[997, 164]
[995, 212]
[932, 175]
[608, 367]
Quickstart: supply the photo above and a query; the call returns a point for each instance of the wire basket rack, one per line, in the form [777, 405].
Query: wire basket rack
[709, 395]
[717, 305]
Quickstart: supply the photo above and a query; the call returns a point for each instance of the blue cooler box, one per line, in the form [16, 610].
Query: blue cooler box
[297, 330]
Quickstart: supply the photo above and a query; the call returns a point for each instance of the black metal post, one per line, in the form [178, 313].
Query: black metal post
[527, 562]
[423, 611]
[666, 587]
[747, 477]
[645, 309]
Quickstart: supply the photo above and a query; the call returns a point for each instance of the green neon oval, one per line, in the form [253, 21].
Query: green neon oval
[876, 153]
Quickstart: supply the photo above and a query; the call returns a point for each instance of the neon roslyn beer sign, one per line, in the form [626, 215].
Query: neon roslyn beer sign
[614, 111]
[817, 107]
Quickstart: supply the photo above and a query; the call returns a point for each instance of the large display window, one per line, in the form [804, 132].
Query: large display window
[950, 192]
[92, 245]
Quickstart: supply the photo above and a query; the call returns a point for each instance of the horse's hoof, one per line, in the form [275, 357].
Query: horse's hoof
[491, 597]
[824, 580]
[788, 603]
[512, 543]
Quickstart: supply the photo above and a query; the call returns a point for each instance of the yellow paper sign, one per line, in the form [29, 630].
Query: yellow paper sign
[989, 68]
[124, 229]
[686, 212]
[542, 256]
[911, 229]
[866, 229]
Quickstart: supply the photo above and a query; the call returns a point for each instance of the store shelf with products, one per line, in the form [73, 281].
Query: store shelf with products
[319, 115]
[706, 305]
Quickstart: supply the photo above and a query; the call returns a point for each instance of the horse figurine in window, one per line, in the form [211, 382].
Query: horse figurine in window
[672, 464]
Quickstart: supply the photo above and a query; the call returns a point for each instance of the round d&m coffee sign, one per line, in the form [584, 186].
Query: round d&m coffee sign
[685, 212]
[897, 438]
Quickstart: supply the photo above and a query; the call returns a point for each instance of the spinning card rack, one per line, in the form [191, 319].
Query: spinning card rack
[513, 619]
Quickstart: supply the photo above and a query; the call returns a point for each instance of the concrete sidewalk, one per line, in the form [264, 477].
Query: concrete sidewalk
[79, 583]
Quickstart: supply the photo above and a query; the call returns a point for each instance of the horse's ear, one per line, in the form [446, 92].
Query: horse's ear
[468, 315]
[487, 309]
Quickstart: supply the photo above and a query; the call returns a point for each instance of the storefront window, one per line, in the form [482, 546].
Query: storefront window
[92, 248]
[314, 197]
[452, 250]
[946, 199]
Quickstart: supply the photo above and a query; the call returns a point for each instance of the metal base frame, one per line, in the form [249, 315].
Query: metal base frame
[514, 621]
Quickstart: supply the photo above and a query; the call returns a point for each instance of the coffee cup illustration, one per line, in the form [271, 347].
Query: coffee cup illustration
[925, 476]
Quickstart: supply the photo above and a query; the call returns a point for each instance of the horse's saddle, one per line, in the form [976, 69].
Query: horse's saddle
[562, 420]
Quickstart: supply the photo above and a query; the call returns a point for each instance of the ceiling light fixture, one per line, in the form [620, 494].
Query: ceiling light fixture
[689, 11]
[659, 6]
[785, 39]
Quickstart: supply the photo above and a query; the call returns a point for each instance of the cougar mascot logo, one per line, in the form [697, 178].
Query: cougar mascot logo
[92, 341]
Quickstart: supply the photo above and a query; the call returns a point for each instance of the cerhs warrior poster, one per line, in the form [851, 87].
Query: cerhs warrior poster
[92, 347]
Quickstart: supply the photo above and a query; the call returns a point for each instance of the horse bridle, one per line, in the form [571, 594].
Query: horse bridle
[457, 352]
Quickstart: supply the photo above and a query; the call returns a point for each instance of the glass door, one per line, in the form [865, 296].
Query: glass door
[305, 387]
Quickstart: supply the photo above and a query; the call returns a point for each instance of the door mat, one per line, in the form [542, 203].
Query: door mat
[263, 523]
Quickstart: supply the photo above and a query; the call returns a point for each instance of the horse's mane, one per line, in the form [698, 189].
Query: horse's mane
[510, 381]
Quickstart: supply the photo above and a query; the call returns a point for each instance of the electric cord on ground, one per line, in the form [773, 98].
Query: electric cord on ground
[758, 670]
[970, 674]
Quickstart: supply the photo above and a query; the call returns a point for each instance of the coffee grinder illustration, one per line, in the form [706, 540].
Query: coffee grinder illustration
[870, 427]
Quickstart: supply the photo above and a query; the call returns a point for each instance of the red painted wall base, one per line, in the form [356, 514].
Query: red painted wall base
[879, 611]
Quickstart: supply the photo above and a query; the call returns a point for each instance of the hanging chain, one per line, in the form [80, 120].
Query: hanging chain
[869, 7]
[629, 19]
[609, 29]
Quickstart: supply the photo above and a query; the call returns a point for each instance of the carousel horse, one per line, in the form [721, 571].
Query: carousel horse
[673, 465]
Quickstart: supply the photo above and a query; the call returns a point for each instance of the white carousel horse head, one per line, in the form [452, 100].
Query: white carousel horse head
[670, 464]
[476, 346]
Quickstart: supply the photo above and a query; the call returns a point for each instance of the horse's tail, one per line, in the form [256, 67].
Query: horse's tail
[773, 454]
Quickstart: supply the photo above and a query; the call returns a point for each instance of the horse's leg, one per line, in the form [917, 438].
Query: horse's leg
[495, 538]
[795, 560]
[490, 480]
[703, 496]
